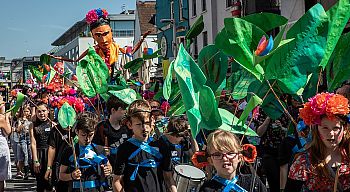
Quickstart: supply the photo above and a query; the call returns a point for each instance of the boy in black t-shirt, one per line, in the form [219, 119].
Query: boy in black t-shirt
[142, 164]
[110, 133]
[90, 167]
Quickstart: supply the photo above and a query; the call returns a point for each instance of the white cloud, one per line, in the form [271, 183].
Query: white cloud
[15, 29]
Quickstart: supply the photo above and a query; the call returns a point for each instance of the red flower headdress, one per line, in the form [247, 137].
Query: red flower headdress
[95, 14]
[328, 104]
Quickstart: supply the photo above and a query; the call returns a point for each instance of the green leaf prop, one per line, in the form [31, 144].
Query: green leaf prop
[241, 79]
[230, 123]
[214, 64]
[126, 95]
[238, 39]
[253, 102]
[92, 74]
[19, 101]
[196, 28]
[266, 21]
[339, 16]
[36, 73]
[292, 63]
[191, 79]
[339, 70]
[152, 56]
[208, 108]
[177, 108]
[52, 75]
[66, 116]
[167, 82]
[270, 104]
[134, 65]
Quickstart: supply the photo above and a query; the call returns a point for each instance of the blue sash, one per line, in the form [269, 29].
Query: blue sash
[88, 151]
[147, 162]
[113, 150]
[86, 184]
[229, 185]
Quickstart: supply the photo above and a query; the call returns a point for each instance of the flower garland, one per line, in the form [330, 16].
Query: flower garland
[95, 14]
[328, 104]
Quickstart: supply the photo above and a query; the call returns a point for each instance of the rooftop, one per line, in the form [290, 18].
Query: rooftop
[145, 11]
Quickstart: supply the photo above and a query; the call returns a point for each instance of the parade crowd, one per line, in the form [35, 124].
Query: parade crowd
[128, 142]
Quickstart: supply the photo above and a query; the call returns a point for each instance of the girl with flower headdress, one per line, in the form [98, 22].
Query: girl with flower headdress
[325, 165]
[101, 31]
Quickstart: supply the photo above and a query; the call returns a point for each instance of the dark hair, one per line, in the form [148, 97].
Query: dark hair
[114, 103]
[99, 22]
[42, 103]
[139, 109]
[177, 124]
[25, 89]
[85, 123]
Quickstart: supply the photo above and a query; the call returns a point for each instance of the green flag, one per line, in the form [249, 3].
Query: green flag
[66, 116]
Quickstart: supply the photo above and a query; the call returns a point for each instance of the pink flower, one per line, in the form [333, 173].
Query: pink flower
[91, 16]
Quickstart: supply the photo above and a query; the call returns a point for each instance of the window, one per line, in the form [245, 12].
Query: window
[195, 45]
[204, 5]
[194, 8]
[180, 10]
[229, 3]
[205, 38]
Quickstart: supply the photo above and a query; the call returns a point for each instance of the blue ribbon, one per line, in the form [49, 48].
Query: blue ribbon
[229, 184]
[147, 162]
[86, 184]
[113, 150]
[84, 162]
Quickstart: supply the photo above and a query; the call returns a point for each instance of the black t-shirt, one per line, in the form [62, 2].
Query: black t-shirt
[41, 130]
[147, 178]
[245, 181]
[88, 174]
[174, 151]
[285, 153]
[114, 137]
[56, 140]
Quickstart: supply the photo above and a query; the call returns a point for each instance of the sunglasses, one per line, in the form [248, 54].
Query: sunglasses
[219, 156]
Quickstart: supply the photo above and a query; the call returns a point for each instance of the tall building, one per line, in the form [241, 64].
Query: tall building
[143, 23]
[72, 43]
[172, 21]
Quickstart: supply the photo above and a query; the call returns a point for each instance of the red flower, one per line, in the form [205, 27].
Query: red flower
[199, 159]
[249, 153]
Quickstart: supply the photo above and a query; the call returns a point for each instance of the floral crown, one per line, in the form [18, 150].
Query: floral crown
[328, 104]
[95, 14]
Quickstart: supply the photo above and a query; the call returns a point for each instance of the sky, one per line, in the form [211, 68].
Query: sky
[28, 27]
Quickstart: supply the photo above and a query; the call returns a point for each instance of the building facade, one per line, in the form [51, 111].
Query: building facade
[172, 21]
[143, 16]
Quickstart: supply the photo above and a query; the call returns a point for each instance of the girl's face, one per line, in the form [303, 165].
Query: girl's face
[331, 132]
[225, 163]
[26, 113]
[42, 113]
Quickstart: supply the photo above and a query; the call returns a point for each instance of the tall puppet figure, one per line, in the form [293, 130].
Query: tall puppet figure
[101, 31]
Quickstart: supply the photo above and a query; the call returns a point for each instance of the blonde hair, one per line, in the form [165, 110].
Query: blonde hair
[223, 141]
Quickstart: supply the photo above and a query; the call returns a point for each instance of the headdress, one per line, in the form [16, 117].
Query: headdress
[324, 104]
[97, 17]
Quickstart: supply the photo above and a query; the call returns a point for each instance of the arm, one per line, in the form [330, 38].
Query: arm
[263, 127]
[50, 157]
[5, 124]
[194, 146]
[33, 147]
[63, 176]
[138, 44]
[283, 175]
[169, 181]
[70, 60]
[118, 183]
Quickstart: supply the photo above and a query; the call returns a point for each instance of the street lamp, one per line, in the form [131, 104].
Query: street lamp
[172, 22]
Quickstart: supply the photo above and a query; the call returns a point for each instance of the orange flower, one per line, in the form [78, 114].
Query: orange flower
[337, 105]
[199, 159]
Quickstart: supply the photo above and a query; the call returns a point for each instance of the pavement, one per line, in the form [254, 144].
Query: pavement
[19, 184]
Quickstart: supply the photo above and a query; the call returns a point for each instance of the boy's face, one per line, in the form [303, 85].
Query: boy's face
[117, 114]
[42, 113]
[141, 129]
[84, 138]
[225, 163]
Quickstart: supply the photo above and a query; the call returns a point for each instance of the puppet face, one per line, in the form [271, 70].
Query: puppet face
[103, 36]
